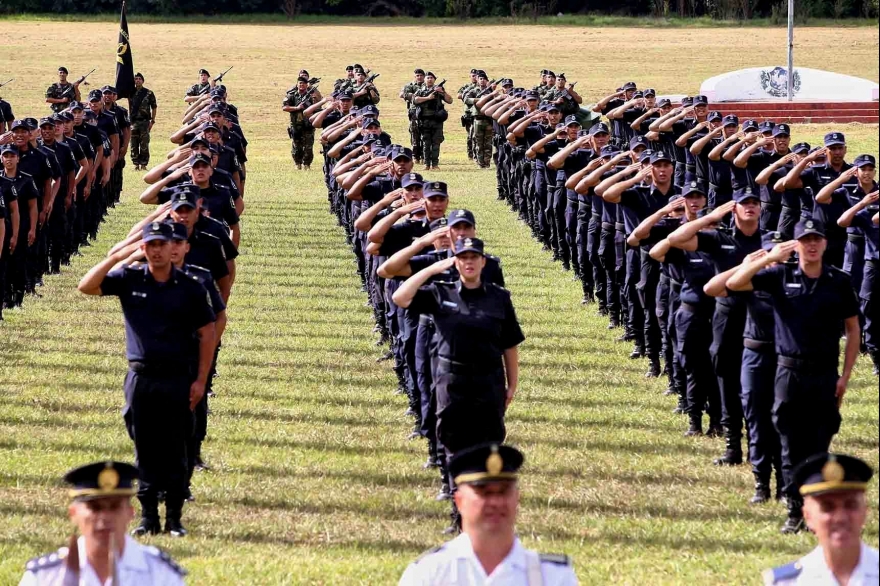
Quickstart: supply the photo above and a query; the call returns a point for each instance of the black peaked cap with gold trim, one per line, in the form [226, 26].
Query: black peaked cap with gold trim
[823, 473]
[102, 479]
[487, 462]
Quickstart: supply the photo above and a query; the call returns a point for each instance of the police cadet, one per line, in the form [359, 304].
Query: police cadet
[20, 194]
[407, 94]
[110, 95]
[814, 177]
[431, 114]
[143, 117]
[101, 509]
[109, 124]
[301, 132]
[477, 337]
[170, 346]
[57, 220]
[195, 92]
[727, 250]
[488, 550]
[835, 508]
[62, 93]
[811, 300]
[860, 217]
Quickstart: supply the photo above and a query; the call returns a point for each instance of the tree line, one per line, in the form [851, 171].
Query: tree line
[465, 9]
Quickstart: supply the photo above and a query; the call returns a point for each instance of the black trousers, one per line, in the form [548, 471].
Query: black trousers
[758, 380]
[159, 421]
[728, 324]
[805, 414]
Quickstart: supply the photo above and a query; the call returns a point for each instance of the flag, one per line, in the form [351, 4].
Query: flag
[124, 64]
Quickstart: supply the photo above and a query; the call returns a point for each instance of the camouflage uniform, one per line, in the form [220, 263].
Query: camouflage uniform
[300, 131]
[198, 88]
[482, 129]
[56, 90]
[142, 104]
[430, 127]
[408, 92]
[467, 120]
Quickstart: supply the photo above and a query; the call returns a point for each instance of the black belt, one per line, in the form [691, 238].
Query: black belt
[855, 238]
[726, 189]
[426, 320]
[803, 363]
[619, 227]
[690, 307]
[770, 204]
[160, 369]
[607, 226]
[470, 368]
[872, 262]
[757, 345]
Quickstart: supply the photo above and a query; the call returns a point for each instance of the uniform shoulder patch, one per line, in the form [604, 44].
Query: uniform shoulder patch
[430, 552]
[555, 558]
[498, 287]
[49, 560]
[786, 572]
[164, 557]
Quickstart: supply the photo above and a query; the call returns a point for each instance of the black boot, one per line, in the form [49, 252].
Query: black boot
[455, 522]
[638, 351]
[149, 524]
[695, 429]
[433, 461]
[733, 455]
[715, 430]
[173, 526]
[762, 491]
[682, 404]
[875, 358]
[444, 494]
[795, 521]
[654, 369]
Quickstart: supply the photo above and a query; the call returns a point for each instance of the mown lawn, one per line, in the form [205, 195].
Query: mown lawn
[313, 481]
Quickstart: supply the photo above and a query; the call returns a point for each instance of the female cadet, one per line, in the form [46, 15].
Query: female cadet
[477, 339]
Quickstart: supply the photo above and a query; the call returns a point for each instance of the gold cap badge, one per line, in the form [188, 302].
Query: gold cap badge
[494, 463]
[832, 471]
[108, 479]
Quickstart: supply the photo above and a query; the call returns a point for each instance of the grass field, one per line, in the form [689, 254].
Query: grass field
[313, 480]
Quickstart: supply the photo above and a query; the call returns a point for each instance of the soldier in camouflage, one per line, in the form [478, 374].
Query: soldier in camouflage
[406, 94]
[363, 91]
[432, 114]
[346, 83]
[60, 94]
[467, 119]
[143, 116]
[196, 90]
[301, 132]
[482, 127]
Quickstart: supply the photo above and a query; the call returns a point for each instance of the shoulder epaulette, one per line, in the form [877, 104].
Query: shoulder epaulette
[430, 552]
[28, 175]
[49, 560]
[499, 287]
[493, 257]
[161, 555]
[786, 572]
[555, 558]
[208, 234]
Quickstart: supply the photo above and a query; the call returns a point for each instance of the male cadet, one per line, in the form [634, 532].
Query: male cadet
[143, 117]
[60, 94]
[488, 550]
[642, 195]
[101, 510]
[407, 94]
[109, 95]
[481, 131]
[815, 177]
[611, 102]
[300, 131]
[810, 301]
[833, 488]
[196, 90]
[57, 220]
[467, 119]
[692, 113]
[727, 250]
[19, 193]
[170, 343]
[431, 114]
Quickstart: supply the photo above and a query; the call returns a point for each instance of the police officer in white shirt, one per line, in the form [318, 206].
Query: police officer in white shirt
[488, 551]
[104, 554]
[835, 508]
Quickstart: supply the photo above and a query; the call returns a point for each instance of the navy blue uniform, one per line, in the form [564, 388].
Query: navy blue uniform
[162, 346]
[863, 222]
[808, 313]
[814, 179]
[13, 267]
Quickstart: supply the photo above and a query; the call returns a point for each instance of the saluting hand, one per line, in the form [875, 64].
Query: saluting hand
[782, 251]
[717, 215]
[850, 173]
[870, 198]
[757, 255]
[675, 204]
[432, 237]
[6, 137]
[443, 265]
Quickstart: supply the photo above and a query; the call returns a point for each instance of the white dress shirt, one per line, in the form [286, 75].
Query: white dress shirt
[815, 572]
[139, 565]
[456, 564]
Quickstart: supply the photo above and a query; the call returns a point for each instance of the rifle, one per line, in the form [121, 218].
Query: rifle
[372, 78]
[439, 85]
[217, 79]
[565, 93]
[77, 82]
[7, 82]
[488, 89]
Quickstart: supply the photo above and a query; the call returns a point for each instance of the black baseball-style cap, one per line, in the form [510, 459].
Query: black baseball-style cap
[771, 239]
[462, 217]
[185, 195]
[436, 188]
[464, 245]
[809, 228]
[741, 195]
[178, 231]
[865, 161]
[199, 158]
[156, 231]
[412, 179]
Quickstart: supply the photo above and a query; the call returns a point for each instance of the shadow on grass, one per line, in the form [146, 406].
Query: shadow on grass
[320, 446]
[354, 476]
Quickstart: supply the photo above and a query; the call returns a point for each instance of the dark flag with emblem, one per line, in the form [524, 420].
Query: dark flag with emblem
[124, 64]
